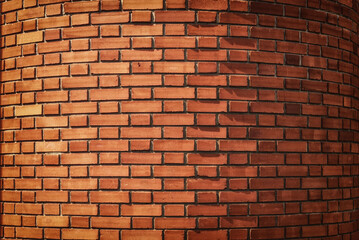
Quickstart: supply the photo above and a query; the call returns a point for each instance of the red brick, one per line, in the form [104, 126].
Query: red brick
[108, 171]
[140, 234]
[108, 145]
[207, 30]
[141, 184]
[55, 46]
[27, 232]
[173, 145]
[51, 147]
[208, 5]
[52, 196]
[79, 82]
[29, 61]
[141, 106]
[79, 209]
[271, 233]
[142, 30]
[80, 32]
[54, 22]
[71, 57]
[268, 33]
[173, 197]
[109, 197]
[110, 43]
[70, 108]
[205, 184]
[109, 68]
[237, 196]
[110, 222]
[173, 171]
[109, 94]
[52, 221]
[234, 222]
[174, 67]
[49, 171]
[238, 18]
[129, 55]
[80, 233]
[53, 96]
[141, 210]
[174, 223]
[28, 208]
[175, 42]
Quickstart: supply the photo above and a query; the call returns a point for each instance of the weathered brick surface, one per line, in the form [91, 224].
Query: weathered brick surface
[179, 119]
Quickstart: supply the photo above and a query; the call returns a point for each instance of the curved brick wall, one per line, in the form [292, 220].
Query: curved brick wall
[197, 119]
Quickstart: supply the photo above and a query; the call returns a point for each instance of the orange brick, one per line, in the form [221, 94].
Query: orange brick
[109, 145]
[173, 145]
[175, 223]
[10, 99]
[109, 197]
[52, 221]
[208, 5]
[72, 57]
[174, 93]
[85, 234]
[142, 30]
[173, 197]
[29, 61]
[141, 106]
[79, 158]
[142, 4]
[110, 17]
[141, 132]
[80, 32]
[56, 46]
[27, 232]
[109, 68]
[109, 171]
[173, 171]
[51, 147]
[84, 6]
[111, 222]
[11, 28]
[28, 110]
[109, 94]
[79, 133]
[174, 67]
[79, 184]
[53, 96]
[51, 196]
[79, 209]
[129, 55]
[141, 210]
[79, 82]
[109, 120]
[52, 71]
[33, 134]
[141, 234]
[141, 184]
[28, 208]
[85, 107]
[31, 13]
[110, 43]
[30, 37]
[11, 5]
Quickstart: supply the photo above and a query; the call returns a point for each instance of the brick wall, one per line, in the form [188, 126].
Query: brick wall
[181, 119]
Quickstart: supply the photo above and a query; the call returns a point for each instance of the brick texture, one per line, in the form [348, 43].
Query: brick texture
[179, 119]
